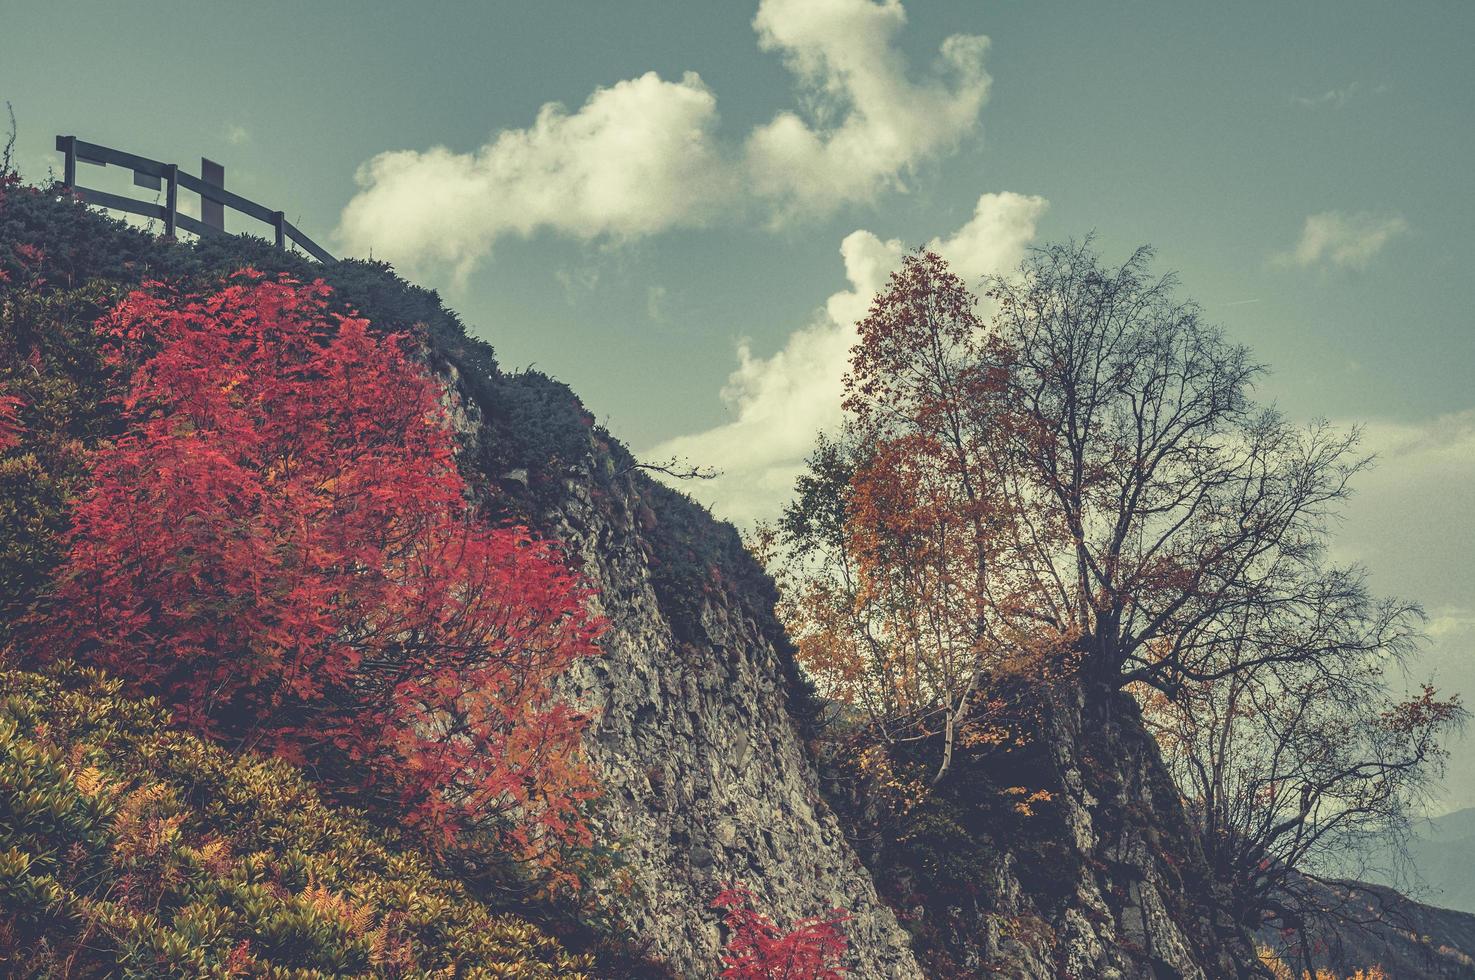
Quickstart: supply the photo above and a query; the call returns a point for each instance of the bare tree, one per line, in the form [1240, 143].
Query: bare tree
[1193, 565]
[1173, 508]
[1293, 768]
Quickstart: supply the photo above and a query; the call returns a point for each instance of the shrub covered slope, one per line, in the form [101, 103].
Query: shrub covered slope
[128, 848]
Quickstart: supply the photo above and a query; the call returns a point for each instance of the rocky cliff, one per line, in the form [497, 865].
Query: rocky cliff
[697, 703]
[699, 746]
[705, 776]
[1138, 900]
[1064, 855]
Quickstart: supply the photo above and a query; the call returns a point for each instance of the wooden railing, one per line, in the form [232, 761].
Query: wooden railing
[214, 198]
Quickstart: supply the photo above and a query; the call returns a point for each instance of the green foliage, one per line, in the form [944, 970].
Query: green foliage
[536, 424]
[50, 365]
[813, 523]
[130, 849]
[81, 245]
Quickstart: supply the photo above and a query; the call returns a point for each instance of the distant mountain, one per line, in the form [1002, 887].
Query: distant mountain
[1431, 937]
[1459, 825]
[1443, 853]
[1404, 937]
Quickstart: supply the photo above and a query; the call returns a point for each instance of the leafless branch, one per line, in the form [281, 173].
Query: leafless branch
[677, 467]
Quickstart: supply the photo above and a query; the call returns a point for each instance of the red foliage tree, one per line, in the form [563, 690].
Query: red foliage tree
[757, 949]
[281, 547]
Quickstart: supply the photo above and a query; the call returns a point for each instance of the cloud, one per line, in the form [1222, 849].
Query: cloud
[577, 282]
[1337, 238]
[655, 302]
[844, 54]
[782, 401]
[644, 155]
[1411, 521]
[636, 158]
[1411, 515]
[1334, 98]
[237, 135]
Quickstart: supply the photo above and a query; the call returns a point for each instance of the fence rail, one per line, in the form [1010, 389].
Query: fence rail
[169, 178]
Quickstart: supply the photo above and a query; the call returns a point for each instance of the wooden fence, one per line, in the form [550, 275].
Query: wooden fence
[214, 198]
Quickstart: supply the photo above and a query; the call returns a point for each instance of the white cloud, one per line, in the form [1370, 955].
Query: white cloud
[643, 155]
[1412, 517]
[1411, 521]
[1448, 622]
[1342, 239]
[844, 53]
[636, 158]
[782, 401]
[237, 135]
[1334, 98]
[655, 302]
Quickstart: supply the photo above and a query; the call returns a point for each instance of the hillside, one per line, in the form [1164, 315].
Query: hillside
[1380, 926]
[1441, 857]
[128, 848]
[704, 775]
[1443, 854]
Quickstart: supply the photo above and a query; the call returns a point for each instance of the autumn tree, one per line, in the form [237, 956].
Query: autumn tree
[1076, 479]
[906, 594]
[281, 548]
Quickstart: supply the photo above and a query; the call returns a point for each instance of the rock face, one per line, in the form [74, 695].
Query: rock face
[698, 744]
[1105, 879]
[705, 777]
[1144, 903]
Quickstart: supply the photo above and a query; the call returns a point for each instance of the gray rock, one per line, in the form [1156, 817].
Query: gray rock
[694, 741]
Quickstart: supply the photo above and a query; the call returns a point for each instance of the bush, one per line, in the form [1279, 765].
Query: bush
[130, 849]
[52, 392]
[279, 545]
[757, 949]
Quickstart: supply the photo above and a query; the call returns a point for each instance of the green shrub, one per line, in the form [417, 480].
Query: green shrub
[49, 364]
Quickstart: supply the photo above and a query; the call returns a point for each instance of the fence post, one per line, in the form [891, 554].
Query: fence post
[279, 222]
[69, 169]
[212, 213]
[171, 198]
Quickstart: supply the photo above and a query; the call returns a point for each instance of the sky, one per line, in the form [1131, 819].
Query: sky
[680, 208]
